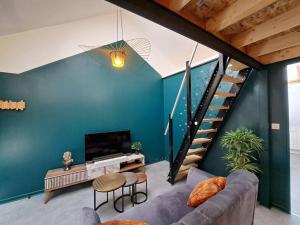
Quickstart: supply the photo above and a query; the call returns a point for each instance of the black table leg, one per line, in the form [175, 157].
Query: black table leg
[116, 200]
[97, 207]
[132, 195]
[122, 199]
[142, 193]
[94, 200]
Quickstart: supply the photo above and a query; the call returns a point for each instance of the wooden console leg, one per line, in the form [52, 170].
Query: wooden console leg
[48, 195]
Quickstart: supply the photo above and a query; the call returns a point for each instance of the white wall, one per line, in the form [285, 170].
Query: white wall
[294, 111]
[27, 50]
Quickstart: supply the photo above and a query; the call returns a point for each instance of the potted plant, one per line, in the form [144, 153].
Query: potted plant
[137, 147]
[243, 150]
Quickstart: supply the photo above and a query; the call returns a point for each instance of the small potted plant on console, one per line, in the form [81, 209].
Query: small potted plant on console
[136, 147]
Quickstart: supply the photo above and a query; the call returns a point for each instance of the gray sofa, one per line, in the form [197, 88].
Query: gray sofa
[234, 205]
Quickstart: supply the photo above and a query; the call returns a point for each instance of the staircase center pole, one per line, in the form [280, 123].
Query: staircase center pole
[171, 148]
[188, 100]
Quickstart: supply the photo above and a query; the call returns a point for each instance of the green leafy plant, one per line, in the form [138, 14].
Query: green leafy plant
[243, 150]
[137, 146]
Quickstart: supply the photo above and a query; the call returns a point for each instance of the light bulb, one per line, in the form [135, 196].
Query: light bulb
[117, 58]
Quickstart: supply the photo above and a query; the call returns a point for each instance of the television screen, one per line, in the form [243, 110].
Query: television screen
[107, 144]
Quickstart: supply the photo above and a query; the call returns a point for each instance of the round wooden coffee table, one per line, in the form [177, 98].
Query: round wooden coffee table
[142, 178]
[131, 178]
[108, 183]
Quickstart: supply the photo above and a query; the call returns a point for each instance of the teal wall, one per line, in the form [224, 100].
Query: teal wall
[279, 141]
[251, 110]
[200, 77]
[67, 99]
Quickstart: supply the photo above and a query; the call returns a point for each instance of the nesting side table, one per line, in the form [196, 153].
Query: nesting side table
[108, 183]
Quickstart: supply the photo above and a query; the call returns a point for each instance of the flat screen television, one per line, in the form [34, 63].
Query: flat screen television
[103, 145]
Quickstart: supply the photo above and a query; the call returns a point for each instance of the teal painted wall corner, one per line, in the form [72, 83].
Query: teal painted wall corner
[250, 110]
[67, 99]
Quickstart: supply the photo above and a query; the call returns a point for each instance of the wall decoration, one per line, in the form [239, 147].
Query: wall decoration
[10, 105]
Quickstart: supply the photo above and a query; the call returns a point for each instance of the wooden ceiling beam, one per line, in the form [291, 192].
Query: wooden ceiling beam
[276, 25]
[169, 19]
[281, 55]
[194, 19]
[275, 44]
[177, 5]
[236, 12]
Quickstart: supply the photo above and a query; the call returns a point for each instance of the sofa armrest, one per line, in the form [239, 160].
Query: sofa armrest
[89, 217]
[195, 176]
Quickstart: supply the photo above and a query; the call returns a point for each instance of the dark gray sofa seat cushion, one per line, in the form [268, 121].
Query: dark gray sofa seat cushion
[162, 210]
[234, 205]
[89, 217]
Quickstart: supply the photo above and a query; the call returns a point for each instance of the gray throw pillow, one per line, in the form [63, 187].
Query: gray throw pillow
[89, 217]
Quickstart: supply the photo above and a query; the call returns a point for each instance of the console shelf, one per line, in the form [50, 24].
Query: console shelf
[131, 166]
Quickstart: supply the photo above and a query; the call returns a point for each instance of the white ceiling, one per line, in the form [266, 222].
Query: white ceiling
[21, 15]
[37, 32]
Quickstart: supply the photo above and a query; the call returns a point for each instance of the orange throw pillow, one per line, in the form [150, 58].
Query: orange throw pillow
[123, 222]
[206, 189]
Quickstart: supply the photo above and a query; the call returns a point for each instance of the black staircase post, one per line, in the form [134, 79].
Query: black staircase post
[171, 149]
[222, 64]
[188, 100]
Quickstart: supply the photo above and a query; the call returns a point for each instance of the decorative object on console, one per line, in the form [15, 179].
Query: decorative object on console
[243, 150]
[137, 147]
[10, 105]
[206, 189]
[68, 161]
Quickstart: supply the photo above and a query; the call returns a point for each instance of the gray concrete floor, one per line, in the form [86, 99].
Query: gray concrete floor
[295, 184]
[65, 207]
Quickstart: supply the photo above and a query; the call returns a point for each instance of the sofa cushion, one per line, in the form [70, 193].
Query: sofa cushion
[163, 209]
[196, 175]
[89, 216]
[234, 205]
[123, 222]
[206, 189]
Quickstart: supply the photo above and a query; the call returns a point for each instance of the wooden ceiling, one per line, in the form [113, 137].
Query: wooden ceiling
[266, 30]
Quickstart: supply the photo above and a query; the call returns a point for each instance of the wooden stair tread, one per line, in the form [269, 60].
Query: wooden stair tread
[193, 151]
[206, 131]
[225, 94]
[191, 159]
[181, 175]
[210, 120]
[198, 141]
[236, 65]
[230, 79]
[186, 167]
[218, 107]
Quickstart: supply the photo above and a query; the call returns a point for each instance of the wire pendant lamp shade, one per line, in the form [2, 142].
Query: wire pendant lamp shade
[118, 55]
[117, 51]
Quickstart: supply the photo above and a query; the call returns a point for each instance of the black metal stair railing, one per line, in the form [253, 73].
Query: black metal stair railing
[193, 123]
[236, 88]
